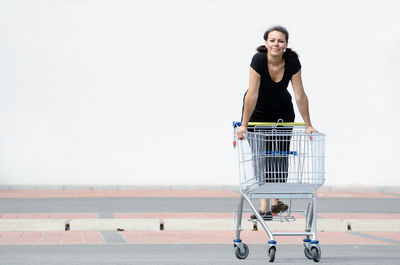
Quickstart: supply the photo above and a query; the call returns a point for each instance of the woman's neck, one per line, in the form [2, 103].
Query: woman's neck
[274, 60]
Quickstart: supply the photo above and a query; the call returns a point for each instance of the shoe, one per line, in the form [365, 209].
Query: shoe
[280, 207]
[266, 216]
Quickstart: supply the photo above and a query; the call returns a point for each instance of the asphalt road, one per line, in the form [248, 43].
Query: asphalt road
[191, 254]
[110, 205]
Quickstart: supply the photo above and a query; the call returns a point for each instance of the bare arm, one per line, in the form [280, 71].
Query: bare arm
[302, 100]
[250, 101]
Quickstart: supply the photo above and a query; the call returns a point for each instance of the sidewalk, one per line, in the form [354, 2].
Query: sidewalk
[164, 225]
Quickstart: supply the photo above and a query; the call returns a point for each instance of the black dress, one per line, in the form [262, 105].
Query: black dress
[274, 102]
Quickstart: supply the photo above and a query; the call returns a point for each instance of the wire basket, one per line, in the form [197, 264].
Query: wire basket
[281, 159]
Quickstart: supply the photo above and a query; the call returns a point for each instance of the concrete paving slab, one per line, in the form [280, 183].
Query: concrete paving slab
[182, 224]
[299, 226]
[114, 224]
[92, 237]
[226, 224]
[374, 225]
[33, 224]
[357, 216]
[329, 225]
[204, 224]
[72, 237]
[51, 237]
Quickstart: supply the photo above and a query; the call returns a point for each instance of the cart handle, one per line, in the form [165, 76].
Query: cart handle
[253, 124]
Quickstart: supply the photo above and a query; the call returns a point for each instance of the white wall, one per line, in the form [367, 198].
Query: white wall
[144, 92]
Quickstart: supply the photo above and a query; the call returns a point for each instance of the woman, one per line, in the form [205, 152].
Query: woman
[267, 98]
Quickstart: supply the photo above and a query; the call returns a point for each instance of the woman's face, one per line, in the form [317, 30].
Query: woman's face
[276, 43]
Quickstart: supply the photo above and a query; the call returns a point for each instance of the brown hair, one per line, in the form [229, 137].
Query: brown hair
[289, 52]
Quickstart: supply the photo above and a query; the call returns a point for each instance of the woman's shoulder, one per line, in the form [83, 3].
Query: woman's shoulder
[293, 63]
[292, 60]
[260, 56]
[258, 62]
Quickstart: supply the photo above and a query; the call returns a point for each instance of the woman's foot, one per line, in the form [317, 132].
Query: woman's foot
[266, 216]
[279, 207]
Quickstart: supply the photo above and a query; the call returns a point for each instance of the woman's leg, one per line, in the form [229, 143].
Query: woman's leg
[282, 164]
[263, 211]
[257, 146]
[264, 205]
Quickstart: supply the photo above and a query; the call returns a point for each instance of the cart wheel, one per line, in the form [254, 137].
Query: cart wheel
[271, 254]
[316, 255]
[242, 255]
[308, 253]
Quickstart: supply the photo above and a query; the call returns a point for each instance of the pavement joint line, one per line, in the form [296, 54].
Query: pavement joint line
[19, 238]
[41, 238]
[388, 240]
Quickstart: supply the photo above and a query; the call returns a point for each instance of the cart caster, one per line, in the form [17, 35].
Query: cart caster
[316, 254]
[308, 253]
[271, 250]
[241, 251]
[271, 254]
[312, 250]
[313, 254]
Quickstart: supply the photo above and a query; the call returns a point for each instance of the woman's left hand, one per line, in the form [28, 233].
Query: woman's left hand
[311, 129]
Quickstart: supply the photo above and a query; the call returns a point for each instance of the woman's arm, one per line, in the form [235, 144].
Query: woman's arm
[302, 100]
[250, 101]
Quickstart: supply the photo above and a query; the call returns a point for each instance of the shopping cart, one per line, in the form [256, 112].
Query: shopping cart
[280, 160]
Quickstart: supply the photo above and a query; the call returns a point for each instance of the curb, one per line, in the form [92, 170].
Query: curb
[33, 225]
[114, 225]
[226, 224]
[204, 224]
[323, 225]
[374, 225]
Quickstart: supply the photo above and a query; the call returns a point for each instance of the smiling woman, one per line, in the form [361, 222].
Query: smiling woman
[267, 98]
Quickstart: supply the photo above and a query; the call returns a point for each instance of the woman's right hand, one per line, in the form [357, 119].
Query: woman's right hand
[242, 132]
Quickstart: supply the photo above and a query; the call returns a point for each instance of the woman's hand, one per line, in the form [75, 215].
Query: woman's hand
[311, 130]
[242, 132]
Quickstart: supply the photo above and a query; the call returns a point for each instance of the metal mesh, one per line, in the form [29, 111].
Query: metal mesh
[281, 159]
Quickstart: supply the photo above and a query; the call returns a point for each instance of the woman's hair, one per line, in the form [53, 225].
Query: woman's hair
[289, 52]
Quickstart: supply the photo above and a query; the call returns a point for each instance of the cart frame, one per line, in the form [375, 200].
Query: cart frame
[301, 182]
